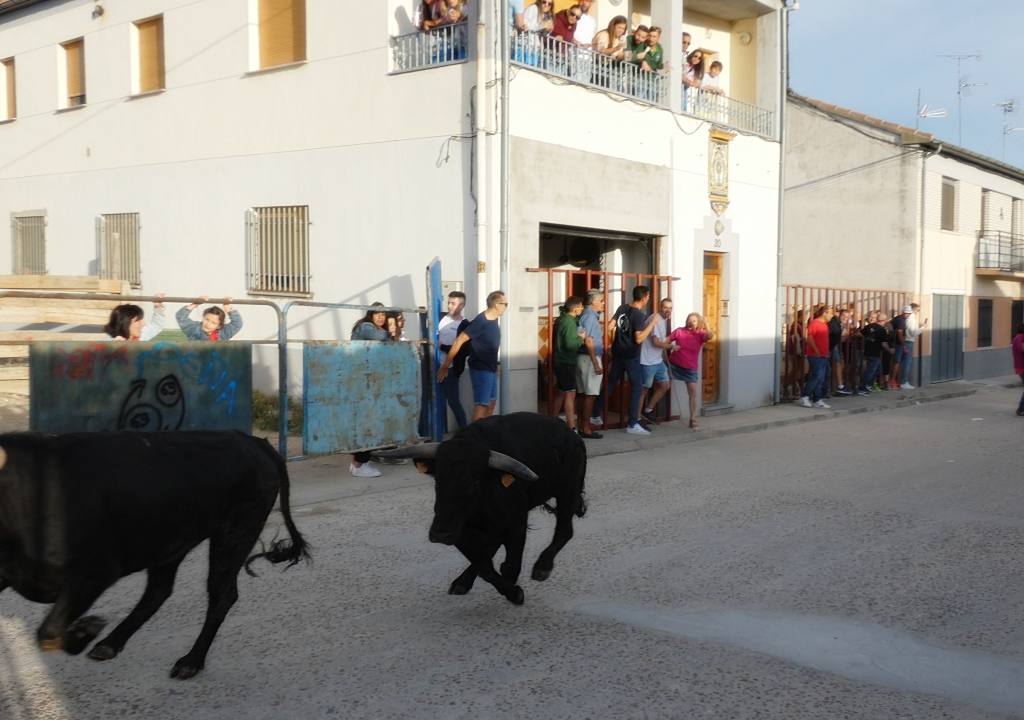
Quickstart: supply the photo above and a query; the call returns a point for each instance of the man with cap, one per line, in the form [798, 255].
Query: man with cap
[899, 343]
[914, 329]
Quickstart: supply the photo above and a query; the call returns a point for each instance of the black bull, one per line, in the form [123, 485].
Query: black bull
[488, 477]
[80, 511]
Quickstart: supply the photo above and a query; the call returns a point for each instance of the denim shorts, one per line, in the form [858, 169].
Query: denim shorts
[485, 386]
[654, 373]
[836, 354]
[684, 374]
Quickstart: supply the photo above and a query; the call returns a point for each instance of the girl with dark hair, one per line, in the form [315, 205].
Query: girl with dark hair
[371, 326]
[212, 327]
[126, 322]
[1018, 362]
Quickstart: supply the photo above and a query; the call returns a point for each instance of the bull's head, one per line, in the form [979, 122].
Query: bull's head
[459, 468]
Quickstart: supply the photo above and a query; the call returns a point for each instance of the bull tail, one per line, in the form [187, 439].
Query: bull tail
[581, 505]
[290, 550]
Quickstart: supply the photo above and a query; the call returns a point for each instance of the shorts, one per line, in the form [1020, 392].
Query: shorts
[565, 377]
[654, 374]
[588, 382]
[836, 355]
[485, 386]
[685, 375]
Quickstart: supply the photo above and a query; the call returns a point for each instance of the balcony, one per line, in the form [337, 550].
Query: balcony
[582, 66]
[444, 45]
[1000, 253]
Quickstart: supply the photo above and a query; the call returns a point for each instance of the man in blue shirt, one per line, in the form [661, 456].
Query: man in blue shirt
[589, 370]
[484, 338]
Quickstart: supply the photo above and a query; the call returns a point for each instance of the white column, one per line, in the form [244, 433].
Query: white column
[668, 14]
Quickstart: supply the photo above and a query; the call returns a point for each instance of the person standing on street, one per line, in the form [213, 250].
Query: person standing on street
[684, 356]
[484, 337]
[817, 357]
[1018, 362]
[652, 361]
[589, 367]
[899, 342]
[913, 330]
[632, 326]
[447, 332]
[568, 339]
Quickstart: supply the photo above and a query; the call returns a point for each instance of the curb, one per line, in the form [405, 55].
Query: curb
[594, 449]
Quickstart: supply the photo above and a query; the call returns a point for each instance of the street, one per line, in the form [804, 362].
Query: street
[867, 566]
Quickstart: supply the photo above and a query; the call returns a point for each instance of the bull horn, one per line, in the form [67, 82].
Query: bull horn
[423, 451]
[500, 461]
[3, 458]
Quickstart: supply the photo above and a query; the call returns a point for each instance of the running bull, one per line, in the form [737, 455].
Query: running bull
[82, 510]
[487, 478]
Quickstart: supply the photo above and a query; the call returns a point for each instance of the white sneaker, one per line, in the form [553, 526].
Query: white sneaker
[804, 402]
[366, 470]
[637, 429]
[561, 416]
[907, 386]
[596, 421]
[822, 404]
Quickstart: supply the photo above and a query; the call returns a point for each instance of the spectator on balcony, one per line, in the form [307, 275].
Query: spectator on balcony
[564, 24]
[686, 43]
[710, 83]
[540, 18]
[586, 25]
[694, 75]
[612, 41]
[517, 15]
[636, 45]
[430, 14]
[654, 61]
[453, 12]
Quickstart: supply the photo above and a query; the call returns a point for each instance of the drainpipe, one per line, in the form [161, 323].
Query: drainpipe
[920, 267]
[506, 318]
[783, 95]
[480, 157]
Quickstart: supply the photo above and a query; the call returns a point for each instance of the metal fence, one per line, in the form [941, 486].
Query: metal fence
[277, 240]
[800, 302]
[28, 235]
[444, 45]
[117, 239]
[724, 110]
[584, 66]
[426, 424]
[1000, 251]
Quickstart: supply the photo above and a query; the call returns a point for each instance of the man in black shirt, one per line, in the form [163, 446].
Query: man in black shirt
[876, 341]
[632, 326]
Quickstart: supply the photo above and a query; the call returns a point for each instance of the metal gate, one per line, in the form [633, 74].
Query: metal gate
[28, 235]
[947, 337]
[117, 239]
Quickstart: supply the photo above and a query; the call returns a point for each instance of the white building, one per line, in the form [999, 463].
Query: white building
[327, 150]
[875, 205]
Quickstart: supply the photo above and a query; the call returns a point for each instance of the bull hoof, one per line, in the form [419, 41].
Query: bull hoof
[540, 574]
[185, 669]
[516, 596]
[51, 644]
[82, 632]
[458, 588]
[102, 652]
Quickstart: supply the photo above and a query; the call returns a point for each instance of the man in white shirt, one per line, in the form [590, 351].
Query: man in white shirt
[911, 332]
[586, 26]
[447, 331]
[652, 362]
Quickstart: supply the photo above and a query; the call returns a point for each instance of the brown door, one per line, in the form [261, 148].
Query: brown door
[712, 285]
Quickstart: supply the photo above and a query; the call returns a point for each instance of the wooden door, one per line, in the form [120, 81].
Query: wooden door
[712, 295]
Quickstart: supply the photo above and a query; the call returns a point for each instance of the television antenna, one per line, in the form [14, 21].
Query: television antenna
[923, 111]
[1008, 107]
[962, 84]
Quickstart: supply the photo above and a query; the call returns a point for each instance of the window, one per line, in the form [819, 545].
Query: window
[149, 35]
[28, 249]
[282, 27]
[117, 241]
[74, 73]
[984, 323]
[949, 204]
[278, 250]
[1016, 316]
[8, 96]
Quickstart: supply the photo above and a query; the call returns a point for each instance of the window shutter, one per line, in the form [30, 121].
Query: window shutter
[12, 107]
[73, 52]
[151, 54]
[282, 32]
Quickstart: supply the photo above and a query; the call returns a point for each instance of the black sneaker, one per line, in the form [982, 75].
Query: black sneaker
[648, 415]
[843, 391]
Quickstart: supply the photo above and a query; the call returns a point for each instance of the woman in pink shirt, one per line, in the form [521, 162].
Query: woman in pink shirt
[684, 356]
[1018, 362]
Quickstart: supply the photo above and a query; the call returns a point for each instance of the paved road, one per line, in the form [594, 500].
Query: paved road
[867, 566]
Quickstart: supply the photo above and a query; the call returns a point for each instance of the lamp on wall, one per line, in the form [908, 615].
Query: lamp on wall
[97, 11]
[744, 38]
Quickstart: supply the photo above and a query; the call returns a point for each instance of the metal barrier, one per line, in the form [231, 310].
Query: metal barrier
[444, 45]
[281, 317]
[724, 110]
[800, 302]
[579, 282]
[1000, 251]
[583, 66]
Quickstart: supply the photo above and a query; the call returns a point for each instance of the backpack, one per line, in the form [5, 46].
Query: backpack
[623, 342]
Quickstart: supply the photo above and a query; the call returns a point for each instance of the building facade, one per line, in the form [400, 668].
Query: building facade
[874, 205]
[328, 150]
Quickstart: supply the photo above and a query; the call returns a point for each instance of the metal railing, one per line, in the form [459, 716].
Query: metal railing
[724, 110]
[1000, 251]
[584, 66]
[444, 45]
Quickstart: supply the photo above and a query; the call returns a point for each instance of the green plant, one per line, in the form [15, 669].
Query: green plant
[265, 416]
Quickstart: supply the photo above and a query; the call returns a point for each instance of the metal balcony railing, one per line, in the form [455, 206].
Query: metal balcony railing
[724, 110]
[1000, 251]
[583, 66]
[444, 45]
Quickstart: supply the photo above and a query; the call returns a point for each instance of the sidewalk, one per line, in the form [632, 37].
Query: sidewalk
[321, 479]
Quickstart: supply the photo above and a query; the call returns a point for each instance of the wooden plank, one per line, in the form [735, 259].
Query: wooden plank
[28, 336]
[63, 283]
[13, 351]
[13, 372]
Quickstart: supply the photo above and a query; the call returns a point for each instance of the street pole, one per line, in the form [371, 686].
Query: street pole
[506, 317]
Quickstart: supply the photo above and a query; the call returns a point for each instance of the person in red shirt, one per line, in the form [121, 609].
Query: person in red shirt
[1018, 362]
[816, 350]
[565, 23]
